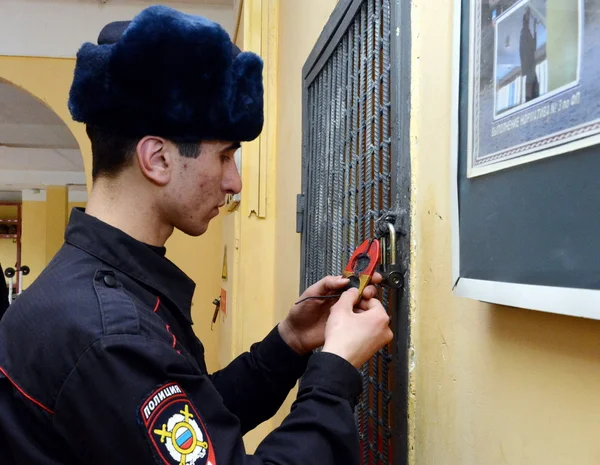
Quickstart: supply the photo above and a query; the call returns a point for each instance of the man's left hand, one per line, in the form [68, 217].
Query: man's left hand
[304, 327]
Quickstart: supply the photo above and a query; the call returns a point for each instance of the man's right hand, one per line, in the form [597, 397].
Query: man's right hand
[356, 334]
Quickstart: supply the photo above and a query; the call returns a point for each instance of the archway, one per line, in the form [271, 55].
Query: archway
[42, 177]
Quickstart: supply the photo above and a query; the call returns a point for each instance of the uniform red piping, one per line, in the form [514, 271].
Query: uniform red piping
[174, 338]
[27, 396]
[157, 305]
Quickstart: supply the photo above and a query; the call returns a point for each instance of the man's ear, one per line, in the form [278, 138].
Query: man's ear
[155, 159]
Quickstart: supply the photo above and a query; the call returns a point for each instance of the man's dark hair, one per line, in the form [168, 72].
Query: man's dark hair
[112, 152]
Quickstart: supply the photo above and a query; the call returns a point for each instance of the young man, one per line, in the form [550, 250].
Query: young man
[98, 360]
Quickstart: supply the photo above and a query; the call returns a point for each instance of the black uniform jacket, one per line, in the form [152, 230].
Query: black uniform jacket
[99, 365]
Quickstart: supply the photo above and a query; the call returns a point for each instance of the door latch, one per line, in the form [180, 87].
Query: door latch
[390, 269]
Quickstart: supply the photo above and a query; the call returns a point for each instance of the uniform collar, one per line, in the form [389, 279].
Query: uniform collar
[132, 257]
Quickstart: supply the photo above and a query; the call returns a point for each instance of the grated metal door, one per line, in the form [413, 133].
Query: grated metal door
[348, 174]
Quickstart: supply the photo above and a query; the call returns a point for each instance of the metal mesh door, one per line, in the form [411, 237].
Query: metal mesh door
[347, 169]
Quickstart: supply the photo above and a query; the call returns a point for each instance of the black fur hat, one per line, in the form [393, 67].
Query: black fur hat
[168, 74]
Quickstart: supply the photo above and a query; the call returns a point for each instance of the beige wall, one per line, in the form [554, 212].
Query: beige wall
[33, 239]
[492, 385]
[8, 253]
[250, 230]
[301, 25]
[263, 248]
[200, 259]
[34, 235]
[8, 247]
[57, 28]
[57, 204]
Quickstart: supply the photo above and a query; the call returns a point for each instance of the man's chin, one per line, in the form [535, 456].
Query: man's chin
[194, 230]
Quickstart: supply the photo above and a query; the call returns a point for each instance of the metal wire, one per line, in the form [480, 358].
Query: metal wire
[348, 170]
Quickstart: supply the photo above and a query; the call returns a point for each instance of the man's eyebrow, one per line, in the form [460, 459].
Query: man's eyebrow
[232, 146]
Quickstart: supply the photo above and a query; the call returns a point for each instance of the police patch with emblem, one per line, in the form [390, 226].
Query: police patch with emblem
[175, 429]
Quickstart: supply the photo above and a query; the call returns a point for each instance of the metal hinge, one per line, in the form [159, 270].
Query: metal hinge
[300, 207]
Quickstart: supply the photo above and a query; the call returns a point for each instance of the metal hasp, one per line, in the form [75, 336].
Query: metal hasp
[390, 269]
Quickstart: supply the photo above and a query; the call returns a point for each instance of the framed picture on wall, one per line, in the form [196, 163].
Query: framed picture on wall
[534, 67]
[526, 154]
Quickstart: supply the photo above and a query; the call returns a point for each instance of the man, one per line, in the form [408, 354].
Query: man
[98, 360]
[527, 49]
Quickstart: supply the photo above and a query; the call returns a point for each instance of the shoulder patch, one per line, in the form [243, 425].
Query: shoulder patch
[175, 429]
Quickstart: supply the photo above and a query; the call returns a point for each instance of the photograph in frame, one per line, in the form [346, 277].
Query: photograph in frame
[534, 81]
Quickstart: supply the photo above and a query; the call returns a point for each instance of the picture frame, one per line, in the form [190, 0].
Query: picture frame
[532, 85]
[522, 271]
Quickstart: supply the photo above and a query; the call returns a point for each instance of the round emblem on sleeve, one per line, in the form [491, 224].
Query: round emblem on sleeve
[175, 429]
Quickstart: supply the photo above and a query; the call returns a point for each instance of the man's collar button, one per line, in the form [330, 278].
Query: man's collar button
[110, 281]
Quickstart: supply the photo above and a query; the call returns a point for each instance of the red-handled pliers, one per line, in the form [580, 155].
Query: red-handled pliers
[362, 264]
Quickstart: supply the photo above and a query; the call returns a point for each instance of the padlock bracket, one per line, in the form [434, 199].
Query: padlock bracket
[390, 269]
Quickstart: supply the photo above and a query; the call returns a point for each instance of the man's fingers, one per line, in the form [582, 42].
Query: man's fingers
[334, 283]
[347, 300]
[363, 305]
[327, 285]
[377, 278]
[370, 292]
[369, 304]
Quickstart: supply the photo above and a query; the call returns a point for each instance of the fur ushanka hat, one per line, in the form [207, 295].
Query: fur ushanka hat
[168, 74]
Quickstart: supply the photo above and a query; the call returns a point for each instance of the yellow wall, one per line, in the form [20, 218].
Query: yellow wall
[492, 385]
[8, 247]
[263, 248]
[301, 25]
[201, 258]
[33, 239]
[228, 346]
[57, 202]
[262, 245]
[196, 256]
[76, 204]
[230, 341]
[31, 75]
[8, 253]
[34, 236]
[249, 231]
[27, 73]
[8, 212]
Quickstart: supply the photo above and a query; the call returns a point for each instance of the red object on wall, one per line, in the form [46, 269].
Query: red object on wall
[223, 306]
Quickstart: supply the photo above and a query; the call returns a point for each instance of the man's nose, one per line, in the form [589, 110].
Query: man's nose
[232, 181]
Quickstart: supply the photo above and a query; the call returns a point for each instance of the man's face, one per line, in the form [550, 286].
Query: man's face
[199, 186]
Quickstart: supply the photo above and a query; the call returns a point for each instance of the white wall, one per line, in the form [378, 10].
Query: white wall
[57, 28]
